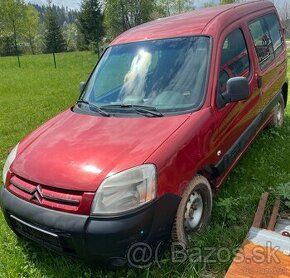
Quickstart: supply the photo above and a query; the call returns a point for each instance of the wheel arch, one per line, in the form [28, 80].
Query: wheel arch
[208, 172]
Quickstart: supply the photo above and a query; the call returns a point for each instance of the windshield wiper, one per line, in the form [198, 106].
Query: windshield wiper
[140, 109]
[94, 108]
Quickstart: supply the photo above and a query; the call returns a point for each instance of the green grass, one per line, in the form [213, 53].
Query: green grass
[36, 92]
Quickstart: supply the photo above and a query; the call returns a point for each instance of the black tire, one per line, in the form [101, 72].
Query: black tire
[198, 189]
[279, 113]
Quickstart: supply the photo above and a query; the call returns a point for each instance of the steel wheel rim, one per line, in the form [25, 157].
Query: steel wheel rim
[193, 211]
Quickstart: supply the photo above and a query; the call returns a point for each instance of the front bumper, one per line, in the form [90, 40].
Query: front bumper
[90, 238]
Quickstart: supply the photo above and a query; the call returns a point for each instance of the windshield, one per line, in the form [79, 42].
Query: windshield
[169, 75]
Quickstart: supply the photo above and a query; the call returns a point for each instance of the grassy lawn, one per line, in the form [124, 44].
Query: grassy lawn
[31, 95]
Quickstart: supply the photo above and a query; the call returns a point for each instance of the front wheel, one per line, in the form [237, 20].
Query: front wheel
[194, 210]
[278, 117]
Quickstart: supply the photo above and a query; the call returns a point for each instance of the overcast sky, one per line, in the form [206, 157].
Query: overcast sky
[72, 4]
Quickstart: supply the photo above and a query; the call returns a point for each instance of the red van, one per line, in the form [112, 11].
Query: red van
[162, 120]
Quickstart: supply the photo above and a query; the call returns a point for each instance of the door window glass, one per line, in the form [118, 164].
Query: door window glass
[234, 59]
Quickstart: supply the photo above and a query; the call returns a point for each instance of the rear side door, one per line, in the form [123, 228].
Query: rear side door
[236, 122]
[270, 48]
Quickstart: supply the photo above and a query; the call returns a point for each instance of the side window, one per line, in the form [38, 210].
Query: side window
[275, 33]
[263, 42]
[234, 59]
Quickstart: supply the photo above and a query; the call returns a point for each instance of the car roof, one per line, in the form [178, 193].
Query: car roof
[198, 22]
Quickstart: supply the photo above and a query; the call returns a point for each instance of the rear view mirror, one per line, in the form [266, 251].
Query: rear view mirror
[82, 86]
[237, 89]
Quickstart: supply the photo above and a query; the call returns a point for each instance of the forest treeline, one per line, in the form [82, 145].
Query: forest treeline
[31, 29]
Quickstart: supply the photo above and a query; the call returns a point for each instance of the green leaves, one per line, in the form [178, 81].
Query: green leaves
[176, 6]
[31, 24]
[222, 2]
[226, 209]
[18, 22]
[12, 15]
[122, 15]
[282, 191]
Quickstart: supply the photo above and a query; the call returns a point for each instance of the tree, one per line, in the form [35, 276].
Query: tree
[172, 7]
[12, 21]
[7, 45]
[31, 25]
[90, 21]
[70, 33]
[208, 4]
[53, 38]
[223, 2]
[121, 15]
[283, 7]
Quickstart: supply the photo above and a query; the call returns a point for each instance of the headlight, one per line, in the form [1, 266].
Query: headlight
[126, 190]
[8, 163]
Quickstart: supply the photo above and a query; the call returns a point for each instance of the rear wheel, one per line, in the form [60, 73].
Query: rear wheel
[194, 210]
[278, 117]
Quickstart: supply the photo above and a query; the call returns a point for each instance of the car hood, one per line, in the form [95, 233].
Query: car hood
[76, 152]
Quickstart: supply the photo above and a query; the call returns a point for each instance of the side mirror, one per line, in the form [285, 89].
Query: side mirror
[82, 86]
[238, 88]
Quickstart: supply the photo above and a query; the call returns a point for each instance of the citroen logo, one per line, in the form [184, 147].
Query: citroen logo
[37, 194]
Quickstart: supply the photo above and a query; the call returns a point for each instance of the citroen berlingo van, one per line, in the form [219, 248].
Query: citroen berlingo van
[164, 117]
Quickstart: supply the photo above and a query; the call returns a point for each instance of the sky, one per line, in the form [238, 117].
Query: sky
[75, 4]
[72, 4]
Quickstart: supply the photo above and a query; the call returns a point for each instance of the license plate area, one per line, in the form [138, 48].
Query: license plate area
[35, 233]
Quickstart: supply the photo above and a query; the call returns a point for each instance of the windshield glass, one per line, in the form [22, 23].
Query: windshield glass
[169, 75]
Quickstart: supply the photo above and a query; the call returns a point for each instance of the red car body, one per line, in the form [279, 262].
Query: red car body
[72, 154]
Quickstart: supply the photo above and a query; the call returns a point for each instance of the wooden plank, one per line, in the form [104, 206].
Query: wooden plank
[255, 261]
[274, 216]
[258, 220]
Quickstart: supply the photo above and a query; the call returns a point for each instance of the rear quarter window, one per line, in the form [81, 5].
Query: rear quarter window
[275, 33]
[267, 37]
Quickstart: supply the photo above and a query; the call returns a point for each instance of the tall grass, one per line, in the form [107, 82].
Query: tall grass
[31, 95]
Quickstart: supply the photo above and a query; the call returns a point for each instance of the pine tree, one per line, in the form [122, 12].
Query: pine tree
[54, 41]
[91, 23]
